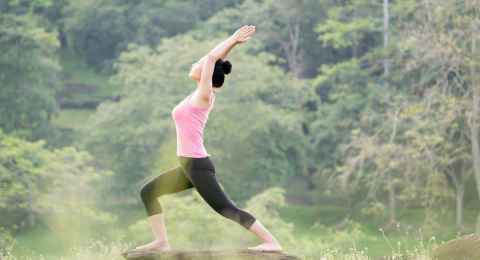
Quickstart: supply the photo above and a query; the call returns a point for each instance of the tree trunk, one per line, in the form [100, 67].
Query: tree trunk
[390, 181]
[391, 187]
[391, 201]
[386, 25]
[311, 174]
[292, 49]
[475, 125]
[459, 207]
[457, 179]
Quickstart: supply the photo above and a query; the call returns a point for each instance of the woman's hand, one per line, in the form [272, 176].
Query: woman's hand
[244, 33]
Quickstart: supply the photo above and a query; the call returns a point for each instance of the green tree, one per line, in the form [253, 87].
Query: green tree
[38, 184]
[29, 76]
[100, 30]
[285, 28]
[439, 51]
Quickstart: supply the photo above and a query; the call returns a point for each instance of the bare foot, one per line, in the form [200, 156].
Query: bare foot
[267, 246]
[155, 245]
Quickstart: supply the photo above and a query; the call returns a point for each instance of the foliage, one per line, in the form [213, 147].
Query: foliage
[285, 29]
[101, 30]
[310, 100]
[29, 76]
[52, 187]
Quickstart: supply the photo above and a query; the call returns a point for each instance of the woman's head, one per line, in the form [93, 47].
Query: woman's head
[220, 70]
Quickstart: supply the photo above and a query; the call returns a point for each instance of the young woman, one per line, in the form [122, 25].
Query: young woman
[196, 169]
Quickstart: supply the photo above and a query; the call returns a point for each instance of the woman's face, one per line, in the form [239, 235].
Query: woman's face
[195, 71]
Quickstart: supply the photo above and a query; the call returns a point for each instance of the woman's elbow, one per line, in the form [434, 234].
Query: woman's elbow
[195, 72]
[211, 58]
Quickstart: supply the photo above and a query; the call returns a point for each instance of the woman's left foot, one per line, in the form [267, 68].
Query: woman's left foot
[154, 245]
[267, 246]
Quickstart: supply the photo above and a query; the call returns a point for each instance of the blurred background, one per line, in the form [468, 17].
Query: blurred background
[350, 128]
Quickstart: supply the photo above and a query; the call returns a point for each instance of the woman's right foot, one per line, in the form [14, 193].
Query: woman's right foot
[155, 245]
[267, 246]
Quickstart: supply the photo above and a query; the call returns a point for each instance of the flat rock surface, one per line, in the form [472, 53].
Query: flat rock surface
[463, 248]
[239, 254]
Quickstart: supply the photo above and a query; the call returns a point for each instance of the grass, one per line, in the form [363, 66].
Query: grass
[36, 242]
[83, 83]
[378, 243]
[72, 118]
[75, 70]
[349, 243]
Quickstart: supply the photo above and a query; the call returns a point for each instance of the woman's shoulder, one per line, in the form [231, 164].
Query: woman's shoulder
[197, 101]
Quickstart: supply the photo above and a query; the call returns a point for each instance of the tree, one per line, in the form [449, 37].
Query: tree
[100, 30]
[28, 69]
[41, 184]
[352, 26]
[285, 29]
[440, 53]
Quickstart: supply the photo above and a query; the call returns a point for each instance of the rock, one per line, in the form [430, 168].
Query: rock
[242, 254]
[395, 258]
[465, 248]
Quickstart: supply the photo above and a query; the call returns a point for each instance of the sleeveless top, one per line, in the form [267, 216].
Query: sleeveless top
[190, 121]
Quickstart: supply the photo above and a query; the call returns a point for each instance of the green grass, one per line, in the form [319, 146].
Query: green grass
[41, 241]
[38, 241]
[378, 243]
[72, 118]
[76, 70]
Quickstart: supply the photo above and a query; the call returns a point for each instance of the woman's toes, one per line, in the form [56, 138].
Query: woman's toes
[267, 247]
[155, 245]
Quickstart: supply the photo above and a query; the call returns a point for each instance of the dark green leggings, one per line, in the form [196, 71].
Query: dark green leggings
[198, 173]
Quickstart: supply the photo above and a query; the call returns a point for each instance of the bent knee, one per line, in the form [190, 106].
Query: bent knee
[229, 211]
[146, 192]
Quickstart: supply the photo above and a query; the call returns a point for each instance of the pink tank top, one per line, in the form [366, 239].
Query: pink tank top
[190, 121]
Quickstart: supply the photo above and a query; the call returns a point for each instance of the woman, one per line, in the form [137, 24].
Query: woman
[196, 169]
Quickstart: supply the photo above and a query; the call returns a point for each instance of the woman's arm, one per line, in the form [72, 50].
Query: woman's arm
[205, 84]
[222, 49]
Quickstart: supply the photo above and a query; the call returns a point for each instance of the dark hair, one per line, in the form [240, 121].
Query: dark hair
[221, 69]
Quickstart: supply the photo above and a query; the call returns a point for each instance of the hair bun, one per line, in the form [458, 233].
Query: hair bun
[226, 67]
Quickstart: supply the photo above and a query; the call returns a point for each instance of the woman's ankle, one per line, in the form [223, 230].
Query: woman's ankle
[162, 241]
[272, 240]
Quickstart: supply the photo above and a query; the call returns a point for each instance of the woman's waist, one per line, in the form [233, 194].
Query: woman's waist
[189, 163]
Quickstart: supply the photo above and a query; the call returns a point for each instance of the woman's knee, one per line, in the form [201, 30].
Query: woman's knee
[238, 215]
[147, 192]
[228, 211]
[231, 212]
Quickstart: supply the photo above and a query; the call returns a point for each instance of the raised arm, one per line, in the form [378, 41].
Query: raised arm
[206, 76]
[222, 49]
[220, 52]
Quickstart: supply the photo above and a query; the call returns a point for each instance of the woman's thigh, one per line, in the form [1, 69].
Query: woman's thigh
[170, 181]
[201, 174]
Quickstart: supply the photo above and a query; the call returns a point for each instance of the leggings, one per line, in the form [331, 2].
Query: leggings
[198, 173]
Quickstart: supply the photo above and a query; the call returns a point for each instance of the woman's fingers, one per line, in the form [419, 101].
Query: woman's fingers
[245, 32]
[248, 28]
[249, 31]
